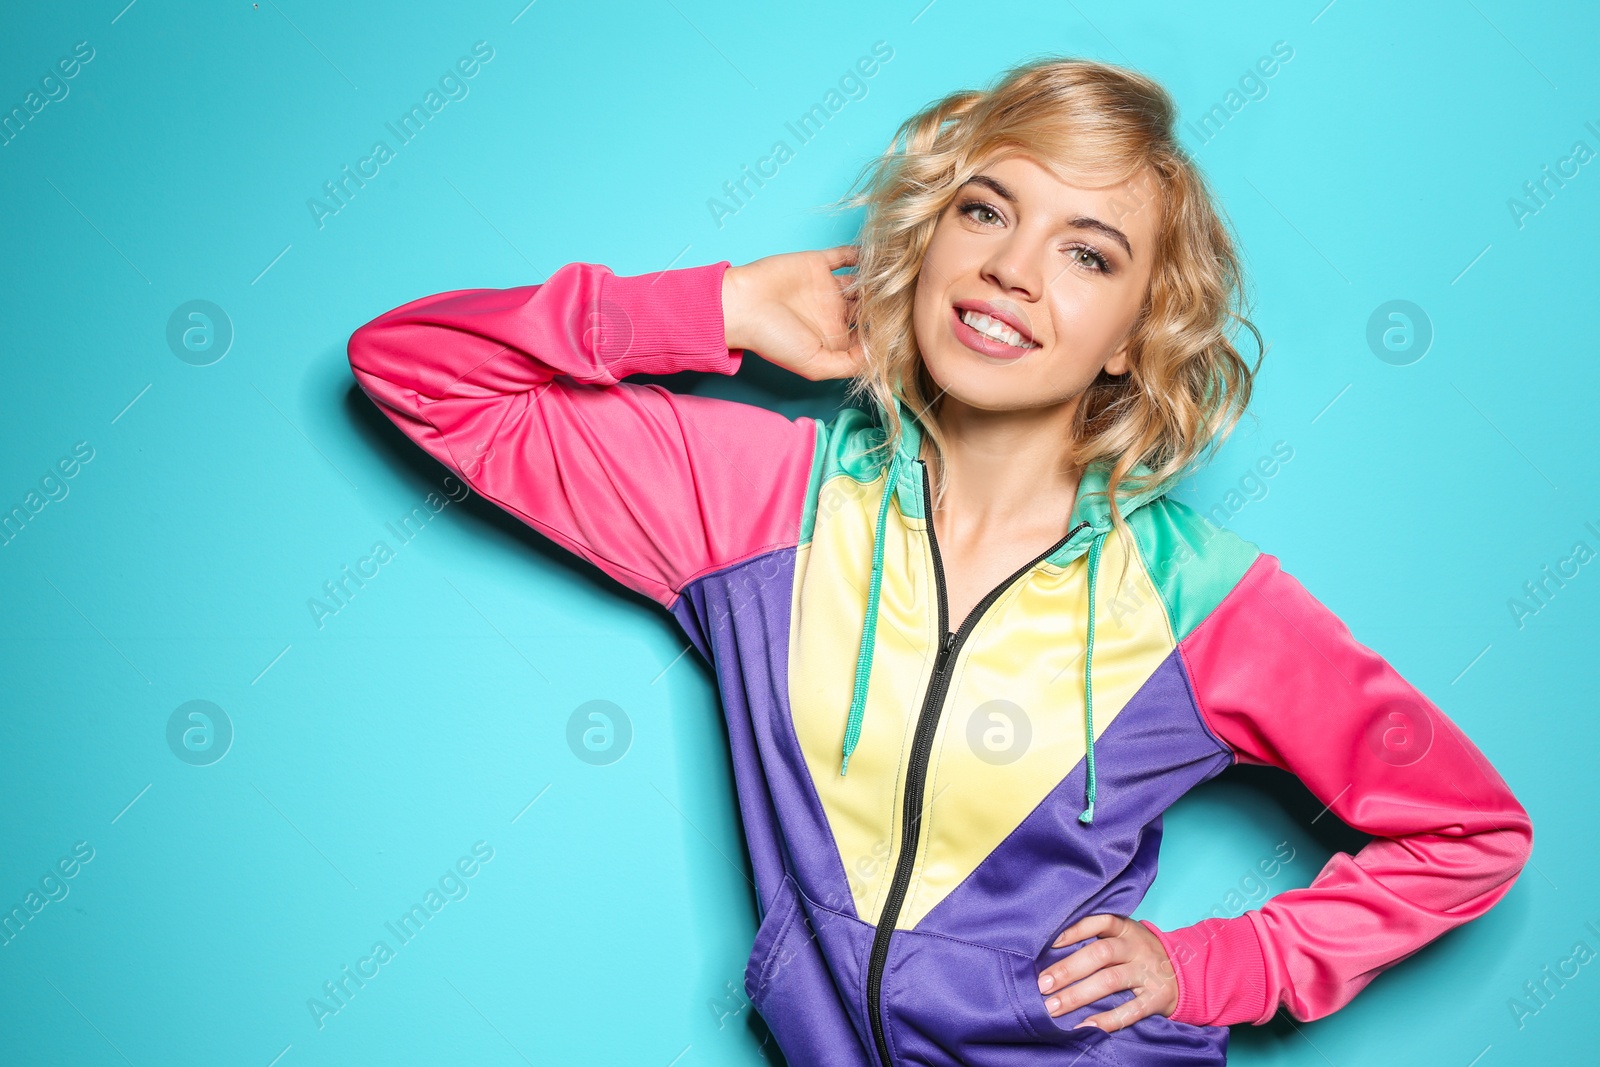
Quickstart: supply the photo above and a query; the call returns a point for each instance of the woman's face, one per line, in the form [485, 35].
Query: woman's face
[1062, 269]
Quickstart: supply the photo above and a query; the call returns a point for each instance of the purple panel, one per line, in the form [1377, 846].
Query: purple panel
[951, 1003]
[801, 999]
[1052, 869]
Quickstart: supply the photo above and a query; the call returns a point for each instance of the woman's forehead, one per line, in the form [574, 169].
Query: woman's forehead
[1073, 171]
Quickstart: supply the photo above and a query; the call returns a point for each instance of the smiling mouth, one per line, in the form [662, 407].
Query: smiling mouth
[989, 336]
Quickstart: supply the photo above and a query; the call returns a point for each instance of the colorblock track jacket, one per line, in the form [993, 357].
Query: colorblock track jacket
[929, 802]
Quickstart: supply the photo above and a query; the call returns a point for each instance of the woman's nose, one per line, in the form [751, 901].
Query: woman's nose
[1016, 268]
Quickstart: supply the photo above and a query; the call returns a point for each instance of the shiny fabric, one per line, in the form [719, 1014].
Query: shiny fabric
[758, 533]
[1283, 682]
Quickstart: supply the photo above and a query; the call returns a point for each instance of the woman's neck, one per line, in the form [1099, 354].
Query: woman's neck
[1006, 470]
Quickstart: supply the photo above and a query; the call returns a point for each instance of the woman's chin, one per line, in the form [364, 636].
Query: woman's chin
[979, 389]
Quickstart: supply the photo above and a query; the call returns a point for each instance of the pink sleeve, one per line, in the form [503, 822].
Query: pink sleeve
[517, 391]
[1282, 682]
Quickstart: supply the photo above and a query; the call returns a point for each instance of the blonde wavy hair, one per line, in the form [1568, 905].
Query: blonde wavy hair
[1186, 386]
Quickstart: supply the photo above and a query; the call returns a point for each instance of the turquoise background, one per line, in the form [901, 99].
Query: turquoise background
[430, 713]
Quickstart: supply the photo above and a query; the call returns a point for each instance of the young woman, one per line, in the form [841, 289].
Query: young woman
[969, 649]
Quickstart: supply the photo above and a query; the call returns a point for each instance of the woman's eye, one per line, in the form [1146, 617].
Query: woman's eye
[1088, 257]
[980, 212]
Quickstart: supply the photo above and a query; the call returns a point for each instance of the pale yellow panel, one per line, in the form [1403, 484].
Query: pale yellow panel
[832, 575]
[1028, 651]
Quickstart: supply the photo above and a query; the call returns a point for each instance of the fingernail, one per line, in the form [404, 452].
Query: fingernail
[1053, 1004]
[1045, 982]
[1090, 1026]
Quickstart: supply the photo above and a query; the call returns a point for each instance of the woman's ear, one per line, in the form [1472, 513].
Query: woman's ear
[1117, 365]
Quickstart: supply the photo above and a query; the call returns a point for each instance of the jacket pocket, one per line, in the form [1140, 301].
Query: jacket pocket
[1022, 974]
[793, 989]
[953, 1003]
[1155, 1039]
[773, 939]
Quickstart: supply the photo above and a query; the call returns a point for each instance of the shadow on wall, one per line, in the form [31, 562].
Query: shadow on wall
[423, 473]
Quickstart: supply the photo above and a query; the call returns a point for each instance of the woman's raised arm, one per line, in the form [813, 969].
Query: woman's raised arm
[519, 392]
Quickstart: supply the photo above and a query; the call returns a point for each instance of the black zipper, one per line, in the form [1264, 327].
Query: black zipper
[921, 747]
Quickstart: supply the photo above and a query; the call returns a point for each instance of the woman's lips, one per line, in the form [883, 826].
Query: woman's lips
[983, 343]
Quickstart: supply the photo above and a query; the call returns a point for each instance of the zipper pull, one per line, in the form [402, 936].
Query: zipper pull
[945, 645]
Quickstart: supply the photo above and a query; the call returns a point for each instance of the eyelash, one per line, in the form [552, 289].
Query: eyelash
[1102, 264]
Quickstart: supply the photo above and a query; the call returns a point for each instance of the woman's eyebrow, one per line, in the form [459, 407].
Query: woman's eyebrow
[1081, 222]
[1086, 222]
[993, 183]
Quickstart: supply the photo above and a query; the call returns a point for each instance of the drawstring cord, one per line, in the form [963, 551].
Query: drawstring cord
[1087, 815]
[858, 703]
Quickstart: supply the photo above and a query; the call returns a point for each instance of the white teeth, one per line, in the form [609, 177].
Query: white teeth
[996, 329]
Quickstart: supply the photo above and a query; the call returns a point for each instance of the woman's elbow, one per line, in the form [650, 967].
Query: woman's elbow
[365, 351]
[1522, 830]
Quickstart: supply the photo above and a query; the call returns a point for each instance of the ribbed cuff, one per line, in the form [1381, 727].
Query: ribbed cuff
[666, 322]
[1222, 972]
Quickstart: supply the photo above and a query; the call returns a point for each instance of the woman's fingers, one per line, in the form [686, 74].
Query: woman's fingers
[841, 256]
[853, 360]
[785, 312]
[1092, 926]
[821, 355]
[1124, 1014]
[1123, 955]
[835, 362]
[1102, 952]
[1101, 983]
